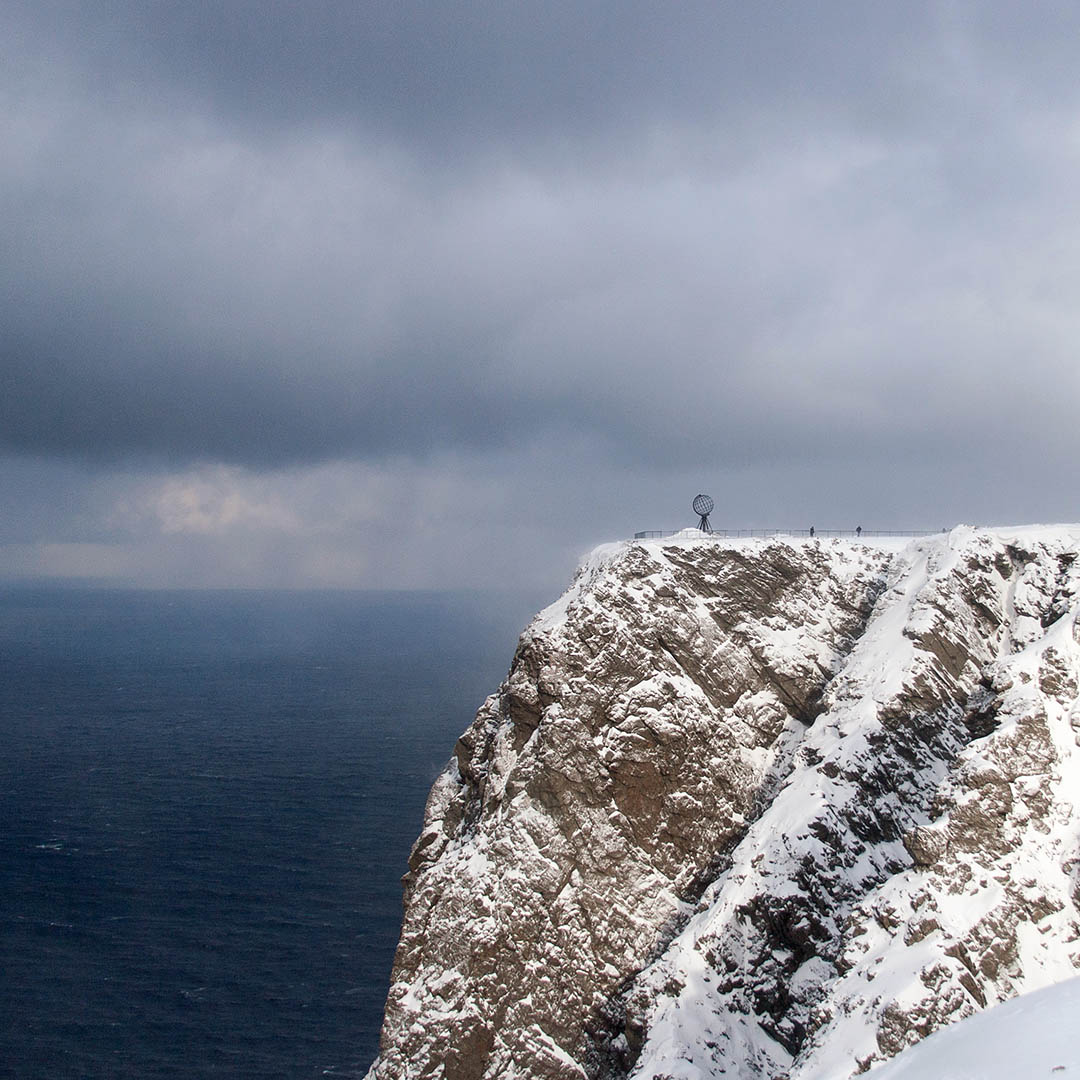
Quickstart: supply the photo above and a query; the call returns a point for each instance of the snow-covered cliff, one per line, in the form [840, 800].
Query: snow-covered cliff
[755, 809]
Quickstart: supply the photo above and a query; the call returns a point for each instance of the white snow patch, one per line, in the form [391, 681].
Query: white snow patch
[1028, 1038]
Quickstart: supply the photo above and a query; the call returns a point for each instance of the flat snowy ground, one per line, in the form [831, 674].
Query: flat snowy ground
[1031, 1037]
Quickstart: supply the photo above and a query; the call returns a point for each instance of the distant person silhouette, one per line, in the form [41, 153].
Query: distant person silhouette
[858, 530]
[811, 530]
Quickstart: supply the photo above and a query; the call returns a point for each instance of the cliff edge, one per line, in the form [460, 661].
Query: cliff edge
[753, 808]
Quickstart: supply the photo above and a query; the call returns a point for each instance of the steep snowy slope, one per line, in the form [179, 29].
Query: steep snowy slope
[1033, 1037]
[754, 809]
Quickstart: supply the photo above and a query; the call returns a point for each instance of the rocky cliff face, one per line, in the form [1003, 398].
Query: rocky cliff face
[755, 809]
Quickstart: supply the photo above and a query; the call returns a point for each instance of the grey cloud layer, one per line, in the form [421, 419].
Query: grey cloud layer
[377, 230]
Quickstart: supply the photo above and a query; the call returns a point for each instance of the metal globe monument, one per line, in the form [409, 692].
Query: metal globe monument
[703, 507]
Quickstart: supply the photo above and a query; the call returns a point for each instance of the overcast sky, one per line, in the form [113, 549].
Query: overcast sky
[351, 293]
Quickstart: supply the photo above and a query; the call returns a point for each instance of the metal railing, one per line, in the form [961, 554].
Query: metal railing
[660, 534]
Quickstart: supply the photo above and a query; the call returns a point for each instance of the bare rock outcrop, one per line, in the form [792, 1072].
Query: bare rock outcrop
[753, 808]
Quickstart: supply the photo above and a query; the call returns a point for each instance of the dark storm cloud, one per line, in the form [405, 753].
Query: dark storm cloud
[284, 233]
[482, 71]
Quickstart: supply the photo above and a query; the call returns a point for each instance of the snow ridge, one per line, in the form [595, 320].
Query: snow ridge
[756, 809]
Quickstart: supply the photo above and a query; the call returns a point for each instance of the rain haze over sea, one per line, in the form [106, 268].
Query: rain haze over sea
[208, 801]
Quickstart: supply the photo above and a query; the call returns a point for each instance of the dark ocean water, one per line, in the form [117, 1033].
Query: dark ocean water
[207, 801]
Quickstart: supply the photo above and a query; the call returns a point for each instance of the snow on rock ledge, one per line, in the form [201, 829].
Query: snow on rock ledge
[756, 809]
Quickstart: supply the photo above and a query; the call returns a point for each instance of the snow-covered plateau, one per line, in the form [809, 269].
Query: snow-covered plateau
[755, 809]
